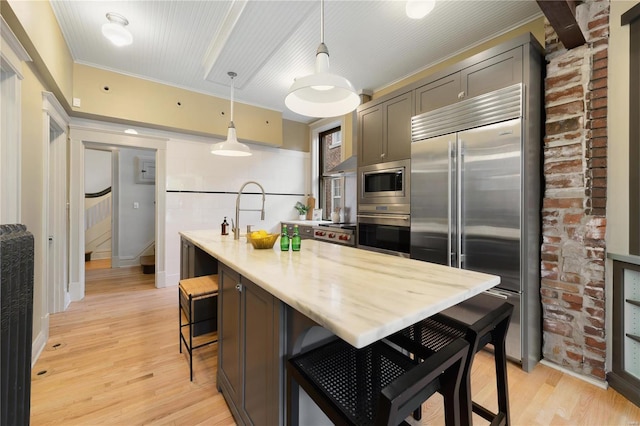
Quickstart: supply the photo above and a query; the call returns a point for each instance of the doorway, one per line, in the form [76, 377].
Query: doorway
[98, 211]
[96, 137]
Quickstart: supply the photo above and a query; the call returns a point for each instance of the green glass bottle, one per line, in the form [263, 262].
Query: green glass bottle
[295, 240]
[284, 239]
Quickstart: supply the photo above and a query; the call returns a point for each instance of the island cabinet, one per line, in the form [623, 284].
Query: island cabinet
[195, 262]
[495, 72]
[384, 130]
[250, 344]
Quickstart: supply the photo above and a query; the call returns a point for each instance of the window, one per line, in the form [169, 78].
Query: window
[331, 187]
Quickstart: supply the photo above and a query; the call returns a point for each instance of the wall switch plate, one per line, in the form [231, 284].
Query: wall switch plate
[76, 102]
[136, 205]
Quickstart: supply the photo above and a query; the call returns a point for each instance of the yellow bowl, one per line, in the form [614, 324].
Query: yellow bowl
[265, 242]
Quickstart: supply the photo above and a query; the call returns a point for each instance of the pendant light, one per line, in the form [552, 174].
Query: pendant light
[115, 30]
[231, 147]
[322, 94]
[418, 9]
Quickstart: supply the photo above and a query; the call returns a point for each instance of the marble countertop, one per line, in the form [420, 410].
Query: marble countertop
[360, 296]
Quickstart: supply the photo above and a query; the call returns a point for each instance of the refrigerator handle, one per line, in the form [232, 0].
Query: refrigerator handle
[450, 181]
[497, 293]
[459, 204]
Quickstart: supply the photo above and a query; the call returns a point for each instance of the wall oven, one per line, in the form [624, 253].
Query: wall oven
[385, 233]
[385, 188]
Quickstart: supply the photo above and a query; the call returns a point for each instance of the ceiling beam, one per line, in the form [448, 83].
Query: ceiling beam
[562, 17]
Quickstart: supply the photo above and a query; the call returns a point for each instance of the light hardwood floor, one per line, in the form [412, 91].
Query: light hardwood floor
[113, 358]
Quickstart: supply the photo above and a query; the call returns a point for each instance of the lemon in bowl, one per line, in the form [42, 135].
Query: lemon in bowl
[262, 239]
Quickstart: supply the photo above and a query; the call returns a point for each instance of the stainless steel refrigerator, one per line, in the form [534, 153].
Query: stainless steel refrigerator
[475, 202]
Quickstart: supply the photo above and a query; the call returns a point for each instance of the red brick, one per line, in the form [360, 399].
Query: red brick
[598, 142]
[598, 103]
[595, 254]
[598, 93]
[596, 322]
[600, 43]
[602, 21]
[558, 313]
[598, 210]
[598, 123]
[545, 292]
[597, 74]
[574, 356]
[551, 239]
[572, 218]
[598, 133]
[592, 331]
[598, 344]
[570, 108]
[569, 166]
[562, 203]
[598, 172]
[574, 92]
[598, 373]
[598, 113]
[596, 283]
[562, 126]
[570, 62]
[598, 152]
[599, 183]
[573, 150]
[598, 203]
[570, 277]
[572, 298]
[597, 162]
[599, 64]
[602, 54]
[599, 33]
[598, 84]
[598, 192]
[595, 243]
[595, 313]
[559, 285]
[558, 79]
[557, 327]
[594, 293]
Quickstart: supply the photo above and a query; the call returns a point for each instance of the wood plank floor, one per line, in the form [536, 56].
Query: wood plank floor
[113, 358]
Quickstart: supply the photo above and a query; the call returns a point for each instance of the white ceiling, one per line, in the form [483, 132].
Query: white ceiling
[193, 44]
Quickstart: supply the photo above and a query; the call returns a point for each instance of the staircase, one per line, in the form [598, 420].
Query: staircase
[148, 261]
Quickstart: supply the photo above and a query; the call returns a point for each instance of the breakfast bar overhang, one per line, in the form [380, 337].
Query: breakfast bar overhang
[270, 300]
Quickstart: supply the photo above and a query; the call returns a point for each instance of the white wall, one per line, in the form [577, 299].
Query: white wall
[202, 189]
[136, 226]
[618, 131]
[97, 175]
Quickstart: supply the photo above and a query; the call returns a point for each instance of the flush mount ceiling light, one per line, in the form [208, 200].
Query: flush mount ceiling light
[418, 9]
[231, 147]
[115, 30]
[322, 94]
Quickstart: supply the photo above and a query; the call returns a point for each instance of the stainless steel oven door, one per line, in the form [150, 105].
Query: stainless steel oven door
[385, 184]
[385, 233]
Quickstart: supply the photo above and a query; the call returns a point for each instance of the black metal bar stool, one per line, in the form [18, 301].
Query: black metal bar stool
[197, 298]
[376, 384]
[481, 320]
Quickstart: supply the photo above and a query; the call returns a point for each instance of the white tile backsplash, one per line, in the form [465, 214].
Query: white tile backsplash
[216, 180]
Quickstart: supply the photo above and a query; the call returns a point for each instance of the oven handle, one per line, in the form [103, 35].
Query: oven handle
[385, 216]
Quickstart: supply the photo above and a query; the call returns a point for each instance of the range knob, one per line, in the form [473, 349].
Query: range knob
[332, 235]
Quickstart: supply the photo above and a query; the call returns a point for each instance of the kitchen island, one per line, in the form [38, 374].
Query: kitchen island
[271, 303]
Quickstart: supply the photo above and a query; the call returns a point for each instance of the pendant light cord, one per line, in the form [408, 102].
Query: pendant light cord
[232, 75]
[321, 21]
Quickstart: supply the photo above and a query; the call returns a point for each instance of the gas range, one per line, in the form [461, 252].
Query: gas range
[338, 233]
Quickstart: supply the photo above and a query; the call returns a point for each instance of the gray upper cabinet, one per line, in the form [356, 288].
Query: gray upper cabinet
[384, 130]
[496, 72]
[442, 92]
[492, 74]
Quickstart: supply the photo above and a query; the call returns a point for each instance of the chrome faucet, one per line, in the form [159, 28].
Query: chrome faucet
[236, 225]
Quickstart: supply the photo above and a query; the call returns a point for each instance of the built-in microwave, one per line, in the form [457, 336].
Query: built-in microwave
[384, 188]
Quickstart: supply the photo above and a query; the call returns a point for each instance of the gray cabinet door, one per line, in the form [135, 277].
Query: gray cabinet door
[370, 135]
[397, 137]
[260, 355]
[186, 259]
[438, 93]
[492, 74]
[229, 334]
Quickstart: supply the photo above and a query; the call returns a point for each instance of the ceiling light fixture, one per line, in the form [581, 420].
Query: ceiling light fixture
[231, 147]
[322, 94]
[115, 30]
[418, 9]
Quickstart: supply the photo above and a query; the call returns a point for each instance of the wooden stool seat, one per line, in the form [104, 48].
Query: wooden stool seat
[199, 287]
[197, 302]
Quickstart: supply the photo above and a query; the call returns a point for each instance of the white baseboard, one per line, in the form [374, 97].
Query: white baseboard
[40, 341]
[599, 383]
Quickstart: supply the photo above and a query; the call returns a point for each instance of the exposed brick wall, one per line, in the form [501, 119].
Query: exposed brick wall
[575, 172]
